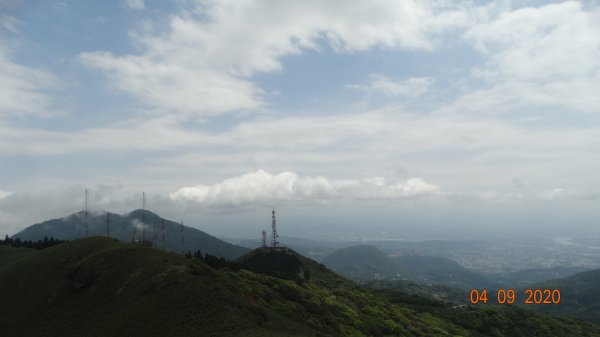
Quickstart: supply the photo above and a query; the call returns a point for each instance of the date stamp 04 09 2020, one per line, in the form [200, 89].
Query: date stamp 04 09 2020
[509, 296]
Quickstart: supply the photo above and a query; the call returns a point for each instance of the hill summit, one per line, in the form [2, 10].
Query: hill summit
[138, 224]
[281, 263]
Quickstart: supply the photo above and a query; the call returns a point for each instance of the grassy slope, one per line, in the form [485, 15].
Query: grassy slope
[11, 254]
[100, 287]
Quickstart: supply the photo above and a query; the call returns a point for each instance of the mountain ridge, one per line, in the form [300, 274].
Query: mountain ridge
[129, 227]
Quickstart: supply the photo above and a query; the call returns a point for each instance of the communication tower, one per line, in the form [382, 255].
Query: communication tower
[86, 215]
[107, 224]
[264, 239]
[162, 228]
[143, 216]
[182, 239]
[274, 236]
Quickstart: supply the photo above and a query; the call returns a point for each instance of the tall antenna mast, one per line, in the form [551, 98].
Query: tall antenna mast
[274, 236]
[264, 239]
[162, 228]
[143, 216]
[182, 241]
[86, 215]
[107, 224]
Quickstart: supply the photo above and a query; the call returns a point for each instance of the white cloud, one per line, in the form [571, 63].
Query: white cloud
[203, 64]
[25, 90]
[379, 84]
[262, 187]
[9, 23]
[4, 194]
[135, 4]
[536, 56]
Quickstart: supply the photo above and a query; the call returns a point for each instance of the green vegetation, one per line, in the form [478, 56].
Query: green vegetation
[40, 244]
[102, 287]
[283, 264]
[580, 296]
[418, 292]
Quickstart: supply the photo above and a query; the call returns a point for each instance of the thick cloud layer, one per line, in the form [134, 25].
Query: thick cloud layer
[262, 187]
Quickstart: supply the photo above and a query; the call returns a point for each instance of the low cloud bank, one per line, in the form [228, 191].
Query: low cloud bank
[262, 187]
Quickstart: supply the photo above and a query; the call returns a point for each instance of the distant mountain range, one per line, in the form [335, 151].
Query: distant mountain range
[366, 263]
[138, 225]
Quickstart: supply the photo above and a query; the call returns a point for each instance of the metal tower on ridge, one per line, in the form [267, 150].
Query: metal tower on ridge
[162, 228]
[144, 216]
[107, 224]
[86, 215]
[264, 239]
[182, 240]
[274, 236]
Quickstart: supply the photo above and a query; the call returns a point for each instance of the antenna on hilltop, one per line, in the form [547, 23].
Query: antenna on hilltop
[182, 241]
[264, 239]
[143, 216]
[86, 215]
[107, 224]
[274, 236]
[162, 228]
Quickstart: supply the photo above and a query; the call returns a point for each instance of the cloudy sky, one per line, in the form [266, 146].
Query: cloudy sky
[449, 117]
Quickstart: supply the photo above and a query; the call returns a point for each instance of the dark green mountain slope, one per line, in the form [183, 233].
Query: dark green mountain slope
[101, 287]
[580, 296]
[122, 227]
[283, 264]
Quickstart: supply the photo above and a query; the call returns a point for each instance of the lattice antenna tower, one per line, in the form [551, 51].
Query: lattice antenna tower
[162, 228]
[182, 240]
[274, 236]
[155, 234]
[108, 223]
[86, 215]
[264, 239]
[143, 216]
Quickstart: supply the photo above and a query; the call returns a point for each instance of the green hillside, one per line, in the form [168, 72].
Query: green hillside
[102, 287]
[123, 227]
[580, 296]
[283, 264]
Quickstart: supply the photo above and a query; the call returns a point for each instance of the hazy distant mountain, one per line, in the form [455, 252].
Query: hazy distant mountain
[439, 270]
[526, 277]
[364, 263]
[123, 227]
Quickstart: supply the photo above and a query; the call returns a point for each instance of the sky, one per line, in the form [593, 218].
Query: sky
[379, 119]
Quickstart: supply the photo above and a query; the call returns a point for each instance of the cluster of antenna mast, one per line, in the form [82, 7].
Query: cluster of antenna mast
[86, 221]
[153, 242]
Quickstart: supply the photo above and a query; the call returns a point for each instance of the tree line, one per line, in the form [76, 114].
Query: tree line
[214, 261]
[40, 244]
